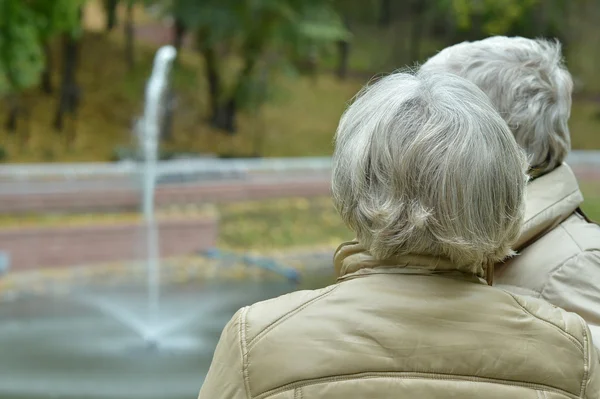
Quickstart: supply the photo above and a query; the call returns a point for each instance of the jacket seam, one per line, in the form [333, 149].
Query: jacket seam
[559, 268]
[530, 292]
[586, 359]
[298, 393]
[414, 375]
[571, 236]
[287, 315]
[567, 335]
[244, 349]
[554, 203]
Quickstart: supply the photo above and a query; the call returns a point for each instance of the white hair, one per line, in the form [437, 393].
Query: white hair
[423, 164]
[528, 84]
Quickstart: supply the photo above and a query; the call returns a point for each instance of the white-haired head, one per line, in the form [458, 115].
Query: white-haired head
[423, 164]
[527, 83]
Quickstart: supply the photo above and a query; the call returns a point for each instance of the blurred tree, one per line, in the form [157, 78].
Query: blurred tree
[252, 31]
[129, 35]
[52, 18]
[344, 47]
[179, 34]
[110, 8]
[491, 17]
[70, 92]
[418, 9]
[21, 59]
[26, 29]
[385, 13]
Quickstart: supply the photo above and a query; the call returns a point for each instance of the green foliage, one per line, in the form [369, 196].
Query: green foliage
[262, 34]
[56, 16]
[497, 15]
[24, 27]
[21, 59]
[281, 223]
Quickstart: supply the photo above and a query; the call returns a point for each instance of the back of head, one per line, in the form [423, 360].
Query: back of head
[424, 165]
[528, 84]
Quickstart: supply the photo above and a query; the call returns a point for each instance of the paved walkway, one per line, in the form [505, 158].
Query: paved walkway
[44, 192]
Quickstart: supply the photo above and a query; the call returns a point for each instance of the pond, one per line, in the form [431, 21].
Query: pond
[97, 343]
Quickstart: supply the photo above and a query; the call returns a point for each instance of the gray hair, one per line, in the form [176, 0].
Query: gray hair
[423, 164]
[528, 84]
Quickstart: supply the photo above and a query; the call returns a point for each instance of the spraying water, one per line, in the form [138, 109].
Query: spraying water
[156, 89]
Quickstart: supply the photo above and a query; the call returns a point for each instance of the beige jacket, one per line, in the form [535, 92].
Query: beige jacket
[411, 328]
[559, 250]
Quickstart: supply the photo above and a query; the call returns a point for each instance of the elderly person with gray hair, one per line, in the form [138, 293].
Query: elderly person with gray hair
[430, 179]
[559, 247]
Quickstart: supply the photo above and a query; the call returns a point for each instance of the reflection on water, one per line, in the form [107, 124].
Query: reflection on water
[91, 344]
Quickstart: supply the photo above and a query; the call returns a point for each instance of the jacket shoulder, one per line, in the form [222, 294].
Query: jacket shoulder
[264, 316]
[571, 325]
[585, 235]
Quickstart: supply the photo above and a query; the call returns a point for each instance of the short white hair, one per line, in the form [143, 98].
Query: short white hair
[528, 84]
[423, 164]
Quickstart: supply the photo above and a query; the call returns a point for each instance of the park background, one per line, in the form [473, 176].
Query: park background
[242, 197]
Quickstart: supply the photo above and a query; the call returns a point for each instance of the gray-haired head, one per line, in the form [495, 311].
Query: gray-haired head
[528, 84]
[423, 164]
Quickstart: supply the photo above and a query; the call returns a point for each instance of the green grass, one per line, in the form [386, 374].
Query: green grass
[285, 223]
[258, 225]
[281, 223]
[584, 125]
[591, 205]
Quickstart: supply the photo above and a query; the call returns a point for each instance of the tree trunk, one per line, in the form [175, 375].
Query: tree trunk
[260, 98]
[129, 36]
[214, 83]
[225, 116]
[180, 31]
[227, 112]
[69, 91]
[110, 7]
[419, 8]
[385, 13]
[344, 54]
[46, 82]
[13, 114]
[222, 114]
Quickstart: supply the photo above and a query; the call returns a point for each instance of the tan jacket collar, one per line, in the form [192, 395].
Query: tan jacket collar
[352, 260]
[551, 199]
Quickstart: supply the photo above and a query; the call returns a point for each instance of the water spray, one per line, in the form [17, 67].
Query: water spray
[154, 109]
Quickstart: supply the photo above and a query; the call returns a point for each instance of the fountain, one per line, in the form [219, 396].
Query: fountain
[156, 90]
[139, 339]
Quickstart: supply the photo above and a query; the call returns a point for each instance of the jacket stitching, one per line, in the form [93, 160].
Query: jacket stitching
[286, 316]
[556, 270]
[572, 238]
[577, 190]
[586, 359]
[298, 393]
[244, 349]
[530, 292]
[573, 193]
[568, 335]
[559, 266]
[414, 375]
